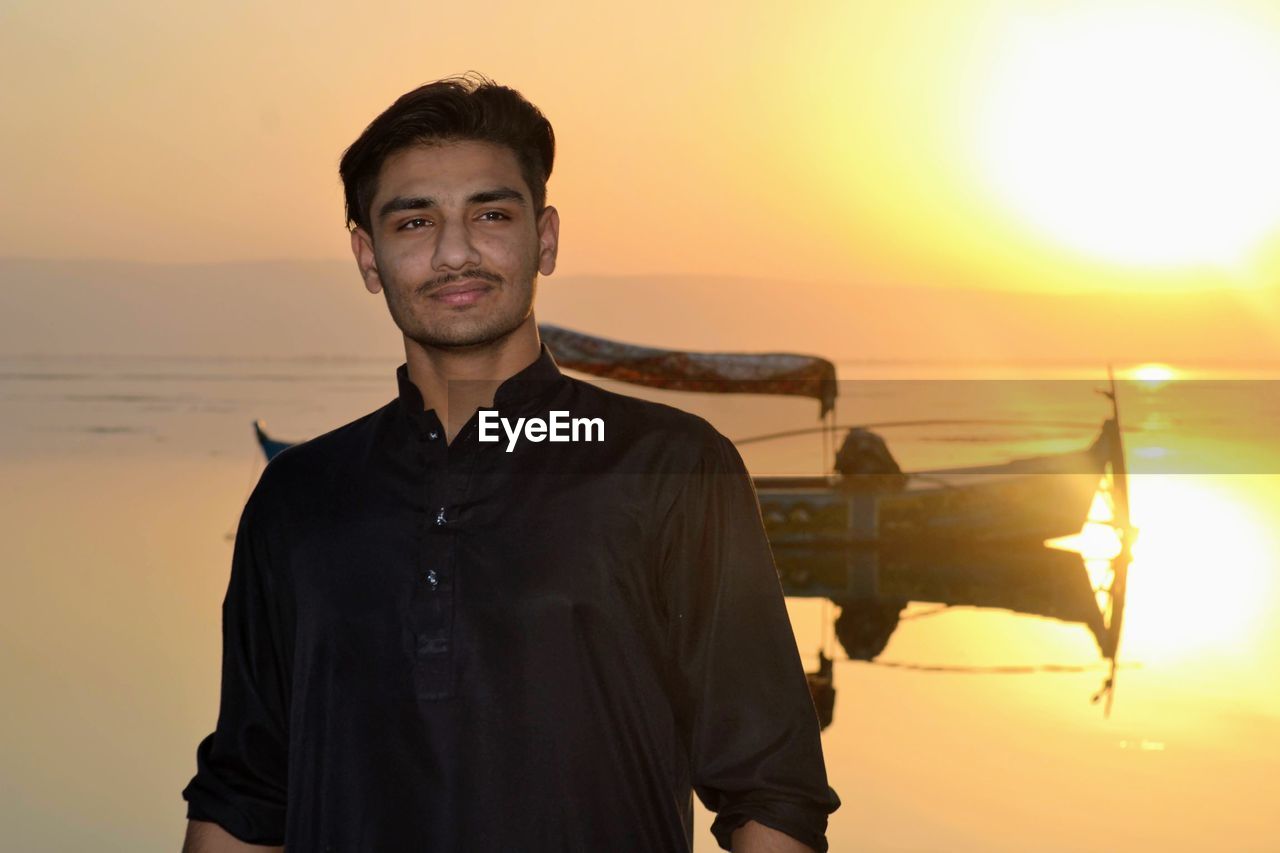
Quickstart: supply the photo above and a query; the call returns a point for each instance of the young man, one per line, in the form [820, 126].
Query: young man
[433, 641]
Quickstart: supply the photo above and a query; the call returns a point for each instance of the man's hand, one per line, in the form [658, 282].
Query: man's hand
[754, 837]
[206, 837]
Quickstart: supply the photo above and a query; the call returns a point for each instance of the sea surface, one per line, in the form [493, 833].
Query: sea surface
[123, 479]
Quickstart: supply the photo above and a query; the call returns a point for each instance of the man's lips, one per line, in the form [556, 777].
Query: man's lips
[462, 292]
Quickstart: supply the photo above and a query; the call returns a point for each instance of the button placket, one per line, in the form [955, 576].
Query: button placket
[432, 612]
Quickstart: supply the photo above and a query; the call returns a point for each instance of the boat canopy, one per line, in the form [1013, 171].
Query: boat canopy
[709, 372]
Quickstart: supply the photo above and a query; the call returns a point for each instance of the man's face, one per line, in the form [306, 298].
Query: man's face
[454, 243]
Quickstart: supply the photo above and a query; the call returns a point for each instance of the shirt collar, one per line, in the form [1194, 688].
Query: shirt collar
[541, 377]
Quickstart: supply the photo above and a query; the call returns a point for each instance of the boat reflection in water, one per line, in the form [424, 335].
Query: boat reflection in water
[1035, 581]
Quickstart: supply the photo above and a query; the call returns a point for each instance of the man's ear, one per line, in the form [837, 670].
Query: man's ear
[548, 239]
[362, 248]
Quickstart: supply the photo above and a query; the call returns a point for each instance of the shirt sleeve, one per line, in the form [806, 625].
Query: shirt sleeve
[241, 767]
[756, 752]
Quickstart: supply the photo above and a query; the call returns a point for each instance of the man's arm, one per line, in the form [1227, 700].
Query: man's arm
[239, 789]
[206, 837]
[755, 750]
[754, 837]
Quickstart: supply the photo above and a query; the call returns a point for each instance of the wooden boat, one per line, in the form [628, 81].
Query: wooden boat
[1023, 501]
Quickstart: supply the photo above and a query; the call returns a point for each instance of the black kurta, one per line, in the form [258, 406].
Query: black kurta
[434, 647]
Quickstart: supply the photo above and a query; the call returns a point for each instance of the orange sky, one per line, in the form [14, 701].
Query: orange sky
[1016, 145]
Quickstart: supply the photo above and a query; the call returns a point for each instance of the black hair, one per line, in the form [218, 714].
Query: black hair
[466, 107]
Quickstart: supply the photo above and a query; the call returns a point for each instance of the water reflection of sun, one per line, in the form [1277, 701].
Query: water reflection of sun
[1199, 581]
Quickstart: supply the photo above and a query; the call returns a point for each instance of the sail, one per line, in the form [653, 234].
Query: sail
[731, 373]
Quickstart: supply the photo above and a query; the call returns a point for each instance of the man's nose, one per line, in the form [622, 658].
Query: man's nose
[454, 247]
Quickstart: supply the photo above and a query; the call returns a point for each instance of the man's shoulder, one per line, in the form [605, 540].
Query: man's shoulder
[330, 451]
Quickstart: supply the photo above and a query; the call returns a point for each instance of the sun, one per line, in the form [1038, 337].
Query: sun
[1153, 375]
[1141, 133]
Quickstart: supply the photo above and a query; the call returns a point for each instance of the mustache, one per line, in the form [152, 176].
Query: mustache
[478, 275]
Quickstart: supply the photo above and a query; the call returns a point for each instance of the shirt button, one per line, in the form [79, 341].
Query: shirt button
[432, 578]
[440, 519]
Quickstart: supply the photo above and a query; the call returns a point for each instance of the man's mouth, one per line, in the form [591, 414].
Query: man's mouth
[462, 292]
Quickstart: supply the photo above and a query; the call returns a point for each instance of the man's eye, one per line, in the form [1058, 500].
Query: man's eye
[413, 224]
[498, 213]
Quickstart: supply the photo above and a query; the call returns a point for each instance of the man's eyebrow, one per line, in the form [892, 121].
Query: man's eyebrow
[400, 203]
[424, 202]
[499, 194]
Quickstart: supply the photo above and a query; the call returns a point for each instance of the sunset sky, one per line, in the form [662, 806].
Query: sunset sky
[1029, 145]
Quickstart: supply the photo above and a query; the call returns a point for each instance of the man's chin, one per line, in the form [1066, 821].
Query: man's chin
[458, 338]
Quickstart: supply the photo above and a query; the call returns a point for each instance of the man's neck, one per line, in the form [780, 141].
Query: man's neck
[456, 382]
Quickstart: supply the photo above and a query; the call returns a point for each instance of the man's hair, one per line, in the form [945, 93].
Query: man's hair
[470, 107]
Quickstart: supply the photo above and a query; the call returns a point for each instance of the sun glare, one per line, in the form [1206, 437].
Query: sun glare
[1153, 375]
[1201, 570]
[1140, 133]
[1201, 567]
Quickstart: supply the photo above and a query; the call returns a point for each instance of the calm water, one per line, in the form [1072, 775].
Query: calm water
[124, 477]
